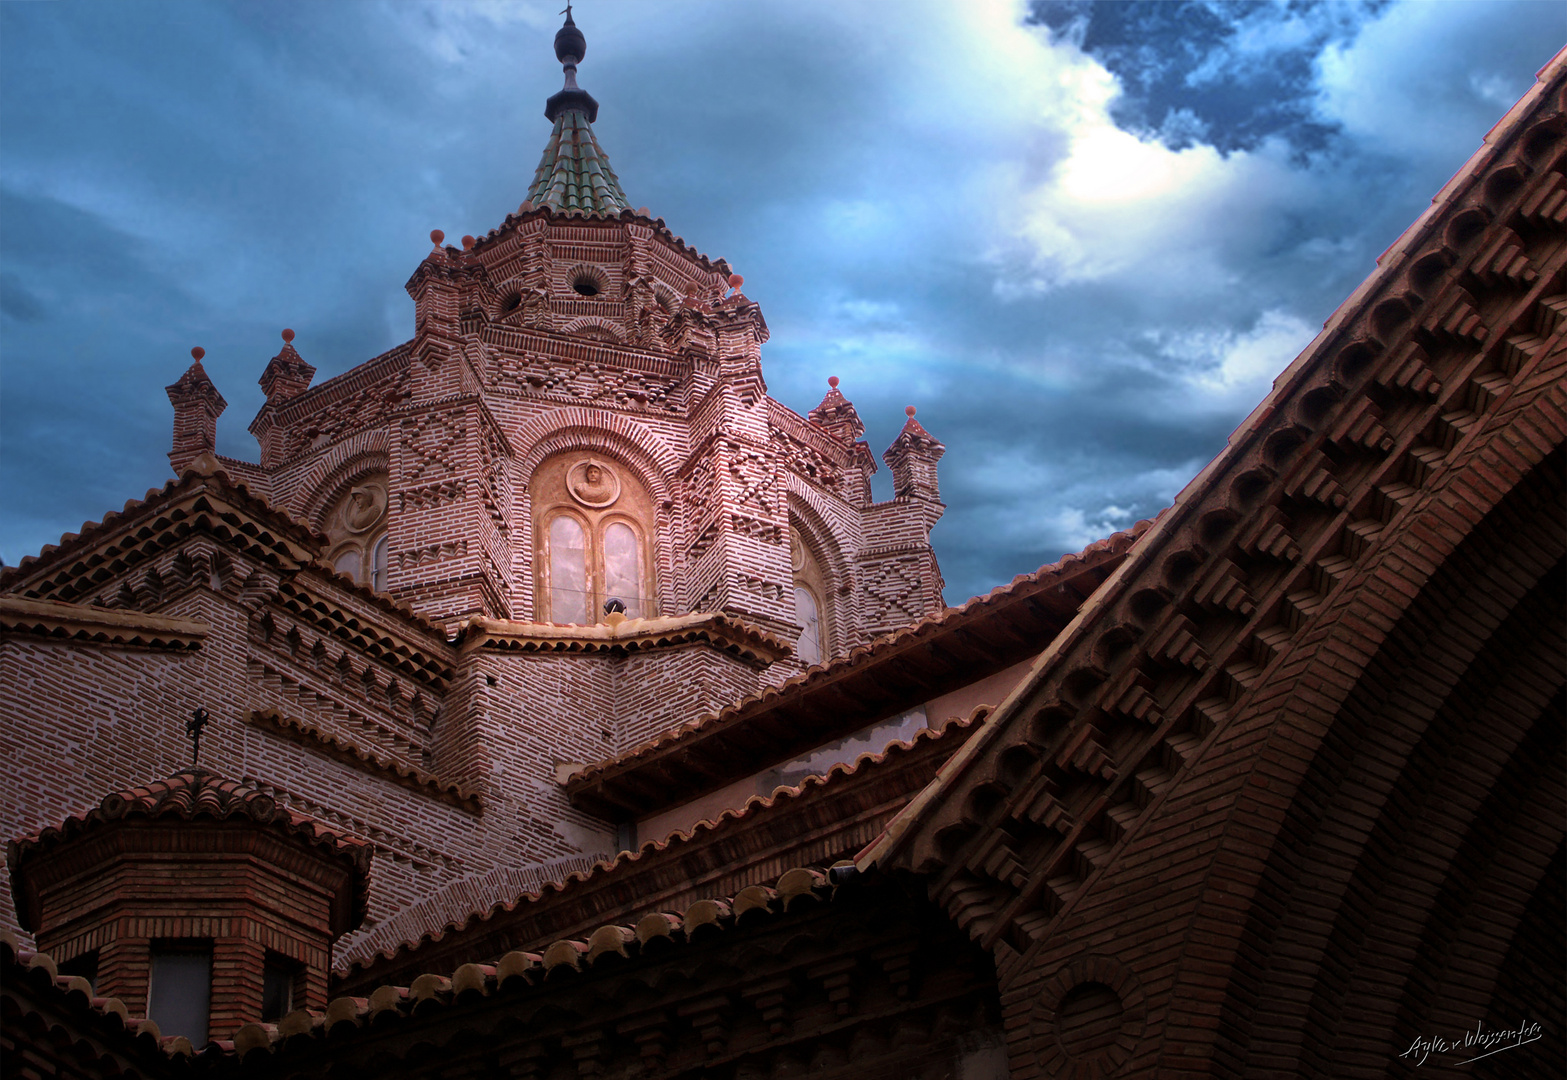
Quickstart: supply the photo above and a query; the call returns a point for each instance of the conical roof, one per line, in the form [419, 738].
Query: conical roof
[574, 174]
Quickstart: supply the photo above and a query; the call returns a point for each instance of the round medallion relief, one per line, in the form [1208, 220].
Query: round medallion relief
[365, 508]
[593, 484]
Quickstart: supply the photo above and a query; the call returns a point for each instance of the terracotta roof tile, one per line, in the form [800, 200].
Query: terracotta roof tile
[206, 487]
[190, 795]
[723, 631]
[80, 622]
[523, 970]
[71, 994]
[453, 911]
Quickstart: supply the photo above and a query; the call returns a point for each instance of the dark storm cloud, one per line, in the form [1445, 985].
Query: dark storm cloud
[1082, 247]
[1229, 74]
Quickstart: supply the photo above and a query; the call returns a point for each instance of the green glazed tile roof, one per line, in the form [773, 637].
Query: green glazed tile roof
[575, 174]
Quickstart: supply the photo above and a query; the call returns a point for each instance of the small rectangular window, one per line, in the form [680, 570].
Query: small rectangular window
[277, 988]
[179, 990]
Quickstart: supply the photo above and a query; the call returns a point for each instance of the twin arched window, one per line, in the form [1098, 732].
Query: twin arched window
[372, 571]
[593, 529]
[590, 563]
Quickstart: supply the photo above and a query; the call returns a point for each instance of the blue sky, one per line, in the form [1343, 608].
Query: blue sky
[1081, 238]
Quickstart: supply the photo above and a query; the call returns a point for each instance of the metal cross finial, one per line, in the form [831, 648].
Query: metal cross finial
[567, 12]
[198, 720]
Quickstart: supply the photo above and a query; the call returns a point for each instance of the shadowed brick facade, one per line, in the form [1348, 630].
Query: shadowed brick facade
[1271, 785]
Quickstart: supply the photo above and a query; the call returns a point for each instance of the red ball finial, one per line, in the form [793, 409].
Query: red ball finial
[468, 242]
[832, 381]
[436, 236]
[288, 337]
[735, 281]
[197, 353]
[910, 410]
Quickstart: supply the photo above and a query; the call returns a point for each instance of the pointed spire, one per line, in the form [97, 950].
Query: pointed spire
[836, 413]
[575, 174]
[287, 375]
[197, 406]
[913, 456]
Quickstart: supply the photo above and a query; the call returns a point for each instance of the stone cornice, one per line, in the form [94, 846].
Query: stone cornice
[98, 626]
[722, 632]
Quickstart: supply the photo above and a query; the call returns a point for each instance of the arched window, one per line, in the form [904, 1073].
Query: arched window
[356, 525]
[570, 590]
[378, 565]
[593, 528]
[807, 612]
[810, 588]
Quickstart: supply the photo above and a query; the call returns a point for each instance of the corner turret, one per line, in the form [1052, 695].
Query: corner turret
[912, 457]
[197, 406]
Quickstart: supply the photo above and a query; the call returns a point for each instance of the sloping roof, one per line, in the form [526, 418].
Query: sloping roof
[64, 1017]
[482, 916]
[206, 499]
[189, 795]
[897, 671]
[574, 175]
[281, 533]
[654, 936]
[1306, 485]
[724, 632]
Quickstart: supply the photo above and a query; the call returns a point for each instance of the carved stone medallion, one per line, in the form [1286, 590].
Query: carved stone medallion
[365, 508]
[593, 484]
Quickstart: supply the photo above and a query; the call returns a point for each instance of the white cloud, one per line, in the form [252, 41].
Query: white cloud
[1228, 370]
[1424, 78]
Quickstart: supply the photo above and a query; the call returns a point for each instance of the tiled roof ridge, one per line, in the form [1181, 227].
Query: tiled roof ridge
[61, 619]
[755, 804]
[795, 890]
[191, 794]
[1117, 543]
[206, 475]
[718, 627]
[204, 470]
[74, 993]
[406, 927]
[299, 730]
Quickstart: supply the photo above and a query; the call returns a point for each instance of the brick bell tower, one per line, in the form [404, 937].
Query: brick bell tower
[196, 901]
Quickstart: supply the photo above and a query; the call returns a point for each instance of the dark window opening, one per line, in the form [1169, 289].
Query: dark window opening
[277, 988]
[585, 285]
[511, 302]
[179, 990]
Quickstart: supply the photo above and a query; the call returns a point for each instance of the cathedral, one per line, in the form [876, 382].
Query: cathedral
[549, 701]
